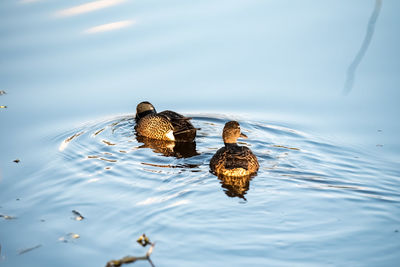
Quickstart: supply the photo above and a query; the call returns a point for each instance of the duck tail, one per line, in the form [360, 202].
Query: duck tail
[186, 135]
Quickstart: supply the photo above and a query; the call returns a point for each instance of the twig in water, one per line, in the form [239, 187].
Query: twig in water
[143, 240]
[79, 216]
[363, 49]
[28, 249]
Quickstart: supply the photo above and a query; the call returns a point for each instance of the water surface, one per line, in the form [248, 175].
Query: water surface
[327, 192]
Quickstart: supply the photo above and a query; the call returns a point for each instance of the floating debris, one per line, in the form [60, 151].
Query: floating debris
[22, 251]
[78, 216]
[16, 160]
[69, 237]
[2, 92]
[3, 106]
[75, 236]
[143, 240]
[7, 217]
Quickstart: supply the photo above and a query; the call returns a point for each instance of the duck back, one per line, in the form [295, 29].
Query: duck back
[234, 160]
[183, 129]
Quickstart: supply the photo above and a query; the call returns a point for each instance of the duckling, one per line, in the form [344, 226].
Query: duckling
[233, 160]
[167, 125]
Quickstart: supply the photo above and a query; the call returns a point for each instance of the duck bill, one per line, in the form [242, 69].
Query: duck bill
[243, 135]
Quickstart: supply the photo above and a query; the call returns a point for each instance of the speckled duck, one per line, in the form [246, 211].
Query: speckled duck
[167, 125]
[233, 160]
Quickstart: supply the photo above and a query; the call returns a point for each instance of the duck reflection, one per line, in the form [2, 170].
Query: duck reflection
[235, 186]
[169, 148]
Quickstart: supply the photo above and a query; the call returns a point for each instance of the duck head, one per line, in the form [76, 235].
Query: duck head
[144, 108]
[232, 132]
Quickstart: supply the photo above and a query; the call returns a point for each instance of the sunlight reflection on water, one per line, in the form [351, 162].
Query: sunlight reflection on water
[110, 26]
[88, 7]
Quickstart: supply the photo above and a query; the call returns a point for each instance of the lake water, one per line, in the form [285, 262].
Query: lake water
[327, 192]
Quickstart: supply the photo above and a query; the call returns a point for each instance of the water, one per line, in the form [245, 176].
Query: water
[327, 189]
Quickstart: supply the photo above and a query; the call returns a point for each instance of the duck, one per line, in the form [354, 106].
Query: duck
[166, 125]
[233, 160]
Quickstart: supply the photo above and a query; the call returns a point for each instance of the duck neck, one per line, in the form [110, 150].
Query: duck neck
[144, 113]
[228, 145]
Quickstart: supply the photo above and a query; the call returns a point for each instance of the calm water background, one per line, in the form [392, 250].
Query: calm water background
[327, 192]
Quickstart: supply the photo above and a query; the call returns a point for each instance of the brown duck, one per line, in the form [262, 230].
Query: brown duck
[167, 125]
[232, 159]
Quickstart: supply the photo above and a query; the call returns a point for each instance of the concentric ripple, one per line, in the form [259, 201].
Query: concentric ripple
[308, 193]
[110, 149]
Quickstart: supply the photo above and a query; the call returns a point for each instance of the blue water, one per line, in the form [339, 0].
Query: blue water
[327, 192]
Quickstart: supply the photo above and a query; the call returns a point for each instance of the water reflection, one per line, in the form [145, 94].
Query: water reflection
[65, 142]
[88, 7]
[183, 57]
[363, 49]
[169, 148]
[235, 186]
[110, 26]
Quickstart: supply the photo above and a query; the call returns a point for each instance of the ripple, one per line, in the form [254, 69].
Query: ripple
[126, 185]
[111, 147]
